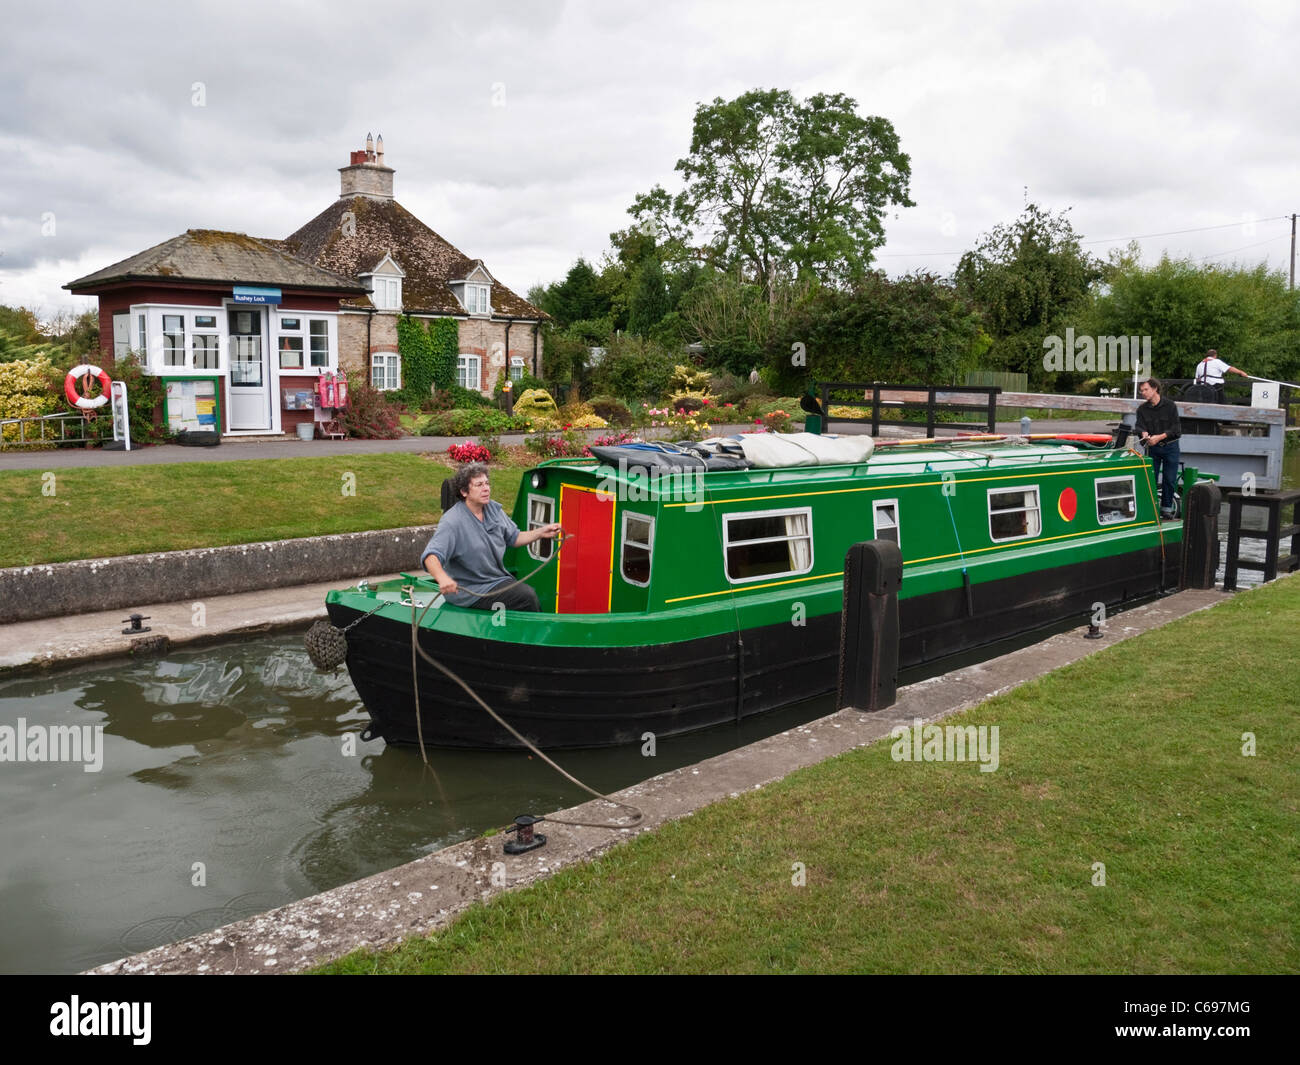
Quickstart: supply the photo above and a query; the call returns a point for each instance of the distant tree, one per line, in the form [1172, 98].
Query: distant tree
[650, 299]
[20, 335]
[1247, 313]
[775, 187]
[910, 329]
[1031, 279]
[579, 296]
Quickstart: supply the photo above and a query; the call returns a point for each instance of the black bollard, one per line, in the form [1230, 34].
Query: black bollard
[873, 574]
[1200, 536]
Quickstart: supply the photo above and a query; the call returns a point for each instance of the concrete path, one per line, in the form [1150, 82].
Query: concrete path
[27, 646]
[429, 893]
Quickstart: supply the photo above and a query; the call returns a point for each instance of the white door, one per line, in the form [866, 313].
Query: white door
[250, 384]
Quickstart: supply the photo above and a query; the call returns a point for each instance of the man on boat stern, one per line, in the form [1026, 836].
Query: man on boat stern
[465, 554]
[1159, 428]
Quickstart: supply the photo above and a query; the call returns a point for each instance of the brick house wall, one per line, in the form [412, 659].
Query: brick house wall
[478, 336]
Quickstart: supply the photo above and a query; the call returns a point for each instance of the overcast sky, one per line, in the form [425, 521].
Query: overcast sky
[521, 131]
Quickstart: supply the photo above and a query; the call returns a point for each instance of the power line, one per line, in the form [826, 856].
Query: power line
[1176, 232]
[1111, 240]
[1233, 251]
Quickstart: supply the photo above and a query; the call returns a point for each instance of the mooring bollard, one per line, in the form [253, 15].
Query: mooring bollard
[1200, 536]
[873, 574]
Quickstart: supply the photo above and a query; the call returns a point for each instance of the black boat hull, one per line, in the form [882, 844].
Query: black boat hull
[565, 697]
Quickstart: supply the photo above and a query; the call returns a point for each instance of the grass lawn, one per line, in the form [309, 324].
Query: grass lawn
[99, 512]
[1132, 758]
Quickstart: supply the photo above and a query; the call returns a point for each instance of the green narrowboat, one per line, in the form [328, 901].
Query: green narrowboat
[690, 598]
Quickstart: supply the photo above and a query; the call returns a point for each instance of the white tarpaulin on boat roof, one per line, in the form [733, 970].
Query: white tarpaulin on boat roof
[804, 449]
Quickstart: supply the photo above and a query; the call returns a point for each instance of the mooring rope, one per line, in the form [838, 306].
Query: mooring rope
[417, 650]
[637, 816]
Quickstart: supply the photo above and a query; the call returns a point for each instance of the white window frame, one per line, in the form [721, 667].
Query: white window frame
[1034, 528]
[462, 363]
[541, 549]
[207, 332]
[517, 363]
[180, 347]
[648, 547]
[1132, 496]
[876, 506]
[281, 351]
[477, 298]
[746, 515]
[312, 336]
[392, 362]
[387, 292]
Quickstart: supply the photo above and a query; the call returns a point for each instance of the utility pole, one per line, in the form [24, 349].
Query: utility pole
[1293, 251]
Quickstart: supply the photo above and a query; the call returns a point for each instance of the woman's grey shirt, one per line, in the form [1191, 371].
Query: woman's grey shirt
[471, 550]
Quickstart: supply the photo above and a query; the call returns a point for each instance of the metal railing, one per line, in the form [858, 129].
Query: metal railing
[65, 428]
[904, 398]
[1237, 392]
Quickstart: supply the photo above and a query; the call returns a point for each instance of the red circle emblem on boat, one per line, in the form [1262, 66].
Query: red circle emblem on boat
[1068, 504]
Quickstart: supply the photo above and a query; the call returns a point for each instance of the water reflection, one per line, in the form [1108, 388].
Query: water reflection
[234, 780]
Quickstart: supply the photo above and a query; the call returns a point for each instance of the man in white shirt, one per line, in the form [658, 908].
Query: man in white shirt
[1211, 371]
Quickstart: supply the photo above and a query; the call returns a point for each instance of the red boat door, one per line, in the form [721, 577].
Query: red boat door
[586, 564]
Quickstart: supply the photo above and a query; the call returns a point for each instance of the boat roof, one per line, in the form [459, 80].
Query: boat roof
[889, 460]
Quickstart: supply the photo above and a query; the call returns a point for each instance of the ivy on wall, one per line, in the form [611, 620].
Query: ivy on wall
[444, 338]
[415, 348]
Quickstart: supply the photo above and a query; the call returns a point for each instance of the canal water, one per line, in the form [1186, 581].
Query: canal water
[230, 785]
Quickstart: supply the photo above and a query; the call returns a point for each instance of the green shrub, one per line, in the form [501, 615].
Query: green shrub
[614, 411]
[468, 397]
[535, 401]
[475, 421]
[633, 369]
[689, 379]
[27, 390]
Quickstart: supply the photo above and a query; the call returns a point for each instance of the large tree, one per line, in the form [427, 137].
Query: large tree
[776, 187]
[1031, 279]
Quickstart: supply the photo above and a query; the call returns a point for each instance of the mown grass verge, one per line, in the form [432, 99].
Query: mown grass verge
[1132, 758]
[96, 512]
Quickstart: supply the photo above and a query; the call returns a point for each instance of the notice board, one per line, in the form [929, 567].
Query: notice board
[192, 404]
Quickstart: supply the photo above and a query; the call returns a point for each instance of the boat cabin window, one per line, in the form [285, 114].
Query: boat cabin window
[768, 544]
[540, 511]
[638, 543]
[1116, 500]
[884, 514]
[1014, 513]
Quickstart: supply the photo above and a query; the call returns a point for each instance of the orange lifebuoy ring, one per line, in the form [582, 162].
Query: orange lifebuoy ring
[75, 397]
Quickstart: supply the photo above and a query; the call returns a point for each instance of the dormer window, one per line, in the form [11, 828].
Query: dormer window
[387, 295]
[476, 299]
[386, 284]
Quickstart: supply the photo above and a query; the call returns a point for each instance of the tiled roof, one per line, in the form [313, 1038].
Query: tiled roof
[211, 255]
[379, 227]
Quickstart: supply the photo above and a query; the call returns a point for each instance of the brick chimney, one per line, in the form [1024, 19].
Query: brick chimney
[366, 174]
